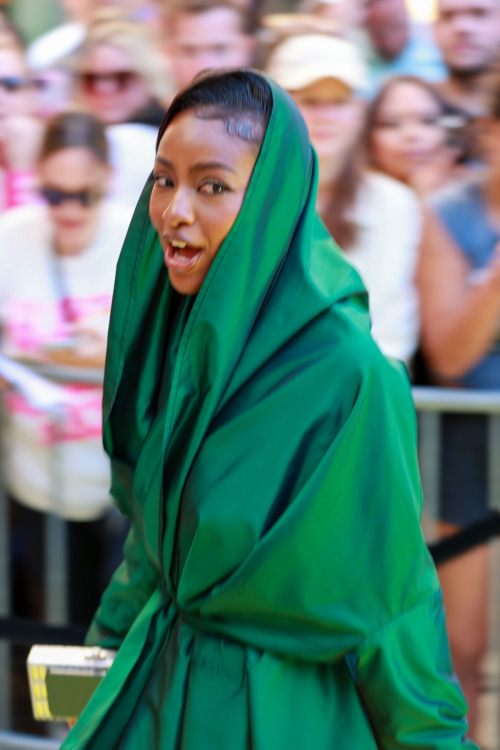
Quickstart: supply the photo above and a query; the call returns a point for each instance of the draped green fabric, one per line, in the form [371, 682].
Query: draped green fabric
[276, 591]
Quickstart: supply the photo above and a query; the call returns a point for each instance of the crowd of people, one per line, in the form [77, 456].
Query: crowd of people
[405, 122]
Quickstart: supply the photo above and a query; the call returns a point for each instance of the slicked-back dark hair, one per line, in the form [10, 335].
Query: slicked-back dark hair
[242, 98]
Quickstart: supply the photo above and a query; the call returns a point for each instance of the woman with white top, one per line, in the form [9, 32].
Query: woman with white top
[374, 219]
[57, 270]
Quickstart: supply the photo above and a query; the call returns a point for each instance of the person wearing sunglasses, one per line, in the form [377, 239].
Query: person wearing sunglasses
[20, 130]
[57, 269]
[122, 80]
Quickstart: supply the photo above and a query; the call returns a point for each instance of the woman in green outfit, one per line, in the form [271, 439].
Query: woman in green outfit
[276, 591]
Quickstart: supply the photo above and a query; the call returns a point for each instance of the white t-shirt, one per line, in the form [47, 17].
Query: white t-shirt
[44, 460]
[132, 149]
[385, 253]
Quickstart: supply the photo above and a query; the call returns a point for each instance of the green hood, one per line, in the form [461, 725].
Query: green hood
[277, 271]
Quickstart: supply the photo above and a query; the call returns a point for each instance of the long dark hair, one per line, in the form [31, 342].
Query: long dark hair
[342, 199]
[241, 98]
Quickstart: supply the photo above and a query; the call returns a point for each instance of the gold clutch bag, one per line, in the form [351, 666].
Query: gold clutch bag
[63, 678]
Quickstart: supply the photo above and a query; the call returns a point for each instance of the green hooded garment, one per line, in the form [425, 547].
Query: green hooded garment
[276, 592]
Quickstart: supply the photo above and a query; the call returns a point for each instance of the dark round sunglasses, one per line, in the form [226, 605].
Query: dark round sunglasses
[120, 79]
[85, 198]
[13, 83]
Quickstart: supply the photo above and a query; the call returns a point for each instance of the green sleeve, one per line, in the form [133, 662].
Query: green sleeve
[405, 676]
[402, 665]
[130, 588]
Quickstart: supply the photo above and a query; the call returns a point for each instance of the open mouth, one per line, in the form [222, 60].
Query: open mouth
[180, 257]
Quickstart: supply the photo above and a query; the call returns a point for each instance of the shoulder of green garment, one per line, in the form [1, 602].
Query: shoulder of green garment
[354, 362]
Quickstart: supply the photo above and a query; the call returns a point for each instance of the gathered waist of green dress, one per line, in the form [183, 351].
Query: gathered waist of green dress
[300, 638]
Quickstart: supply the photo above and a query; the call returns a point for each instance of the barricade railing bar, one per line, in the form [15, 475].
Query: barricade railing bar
[14, 741]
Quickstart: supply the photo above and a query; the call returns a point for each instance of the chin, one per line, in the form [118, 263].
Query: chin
[72, 246]
[184, 285]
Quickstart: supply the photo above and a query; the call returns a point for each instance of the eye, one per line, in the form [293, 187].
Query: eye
[213, 187]
[162, 181]
[429, 120]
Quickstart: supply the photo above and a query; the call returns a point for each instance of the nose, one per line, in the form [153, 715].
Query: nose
[105, 87]
[412, 131]
[179, 211]
[462, 23]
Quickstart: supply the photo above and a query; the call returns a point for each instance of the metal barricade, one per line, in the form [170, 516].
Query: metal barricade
[430, 403]
[14, 741]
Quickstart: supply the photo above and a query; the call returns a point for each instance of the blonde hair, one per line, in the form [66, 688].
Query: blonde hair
[115, 30]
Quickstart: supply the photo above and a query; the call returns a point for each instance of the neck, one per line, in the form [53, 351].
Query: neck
[67, 251]
[467, 91]
[326, 190]
[65, 248]
[330, 170]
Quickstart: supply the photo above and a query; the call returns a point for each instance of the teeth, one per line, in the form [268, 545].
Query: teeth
[177, 243]
[180, 257]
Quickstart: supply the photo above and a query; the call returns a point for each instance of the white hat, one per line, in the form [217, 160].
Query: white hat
[301, 60]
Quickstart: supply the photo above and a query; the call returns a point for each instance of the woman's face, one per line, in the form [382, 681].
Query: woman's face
[407, 133]
[333, 117]
[110, 86]
[201, 177]
[73, 181]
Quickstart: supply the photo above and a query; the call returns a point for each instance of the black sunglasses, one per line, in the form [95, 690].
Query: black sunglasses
[120, 79]
[85, 198]
[13, 83]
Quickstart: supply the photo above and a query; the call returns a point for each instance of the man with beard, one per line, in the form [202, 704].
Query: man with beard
[204, 34]
[468, 34]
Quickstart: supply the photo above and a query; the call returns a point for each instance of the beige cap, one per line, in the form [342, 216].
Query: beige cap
[303, 59]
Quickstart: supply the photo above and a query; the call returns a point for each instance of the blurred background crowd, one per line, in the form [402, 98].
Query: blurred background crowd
[402, 102]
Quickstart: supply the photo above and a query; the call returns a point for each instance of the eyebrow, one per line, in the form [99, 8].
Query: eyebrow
[199, 166]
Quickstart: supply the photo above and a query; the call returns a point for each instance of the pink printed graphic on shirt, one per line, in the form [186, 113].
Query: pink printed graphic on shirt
[81, 420]
[31, 325]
